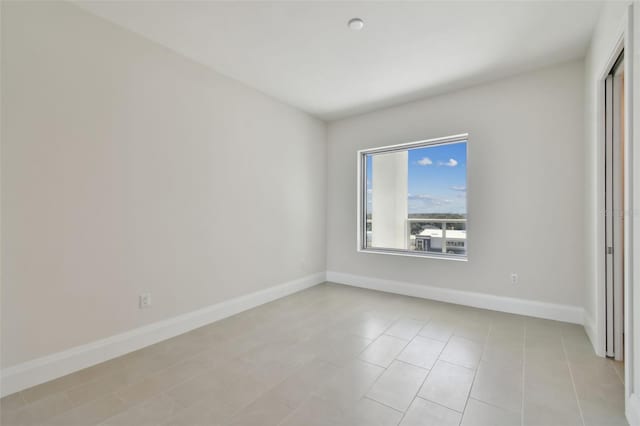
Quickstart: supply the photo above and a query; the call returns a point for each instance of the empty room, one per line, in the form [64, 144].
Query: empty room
[343, 213]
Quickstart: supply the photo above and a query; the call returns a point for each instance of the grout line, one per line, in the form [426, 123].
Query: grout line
[408, 363]
[385, 369]
[396, 337]
[417, 395]
[364, 394]
[411, 403]
[296, 409]
[573, 383]
[425, 377]
[441, 405]
[371, 363]
[493, 405]
[475, 371]
[458, 365]
[382, 403]
[23, 399]
[617, 373]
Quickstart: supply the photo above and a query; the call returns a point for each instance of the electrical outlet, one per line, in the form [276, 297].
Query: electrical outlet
[514, 278]
[145, 300]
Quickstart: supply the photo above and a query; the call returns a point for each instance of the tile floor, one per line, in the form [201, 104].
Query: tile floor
[335, 355]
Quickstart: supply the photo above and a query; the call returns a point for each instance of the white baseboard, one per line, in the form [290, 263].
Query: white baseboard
[566, 313]
[37, 371]
[632, 410]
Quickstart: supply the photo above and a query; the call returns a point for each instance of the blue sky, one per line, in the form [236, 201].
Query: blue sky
[437, 179]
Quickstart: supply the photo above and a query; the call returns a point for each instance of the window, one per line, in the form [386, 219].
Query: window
[413, 198]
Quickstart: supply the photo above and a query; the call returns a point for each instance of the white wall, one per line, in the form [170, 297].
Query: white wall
[526, 185]
[128, 168]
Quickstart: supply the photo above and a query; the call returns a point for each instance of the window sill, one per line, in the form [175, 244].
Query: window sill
[428, 255]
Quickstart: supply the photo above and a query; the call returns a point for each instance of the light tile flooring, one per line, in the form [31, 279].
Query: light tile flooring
[335, 355]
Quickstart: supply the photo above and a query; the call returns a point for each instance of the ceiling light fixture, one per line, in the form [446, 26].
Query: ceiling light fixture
[356, 24]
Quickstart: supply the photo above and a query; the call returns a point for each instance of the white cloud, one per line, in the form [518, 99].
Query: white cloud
[425, 203]
[420, 197]
[426, 161]
[458, 188]
[425, 199]
[450, 163]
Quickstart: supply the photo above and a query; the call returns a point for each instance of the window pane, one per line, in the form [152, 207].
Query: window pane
[416, 199]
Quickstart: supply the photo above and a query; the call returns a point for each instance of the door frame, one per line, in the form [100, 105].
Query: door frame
[614, 219]
[624, 42]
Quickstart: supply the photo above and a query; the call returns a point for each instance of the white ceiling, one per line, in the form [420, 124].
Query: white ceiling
[302, 53]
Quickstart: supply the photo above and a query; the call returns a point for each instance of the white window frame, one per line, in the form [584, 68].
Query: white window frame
[361, 229]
